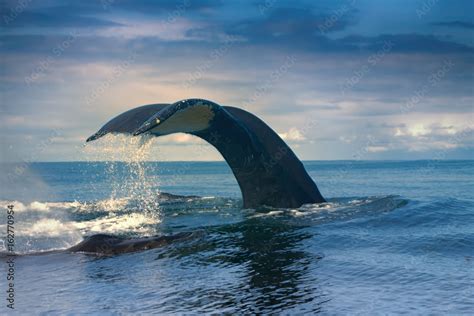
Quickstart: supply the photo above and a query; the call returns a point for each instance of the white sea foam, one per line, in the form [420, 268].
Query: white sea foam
[208, 197]
[51, 227]
[41, 225]
[107, 205]
[53, 218]
[46, 227]
[113, 204]
[333, 210]
[134, 222]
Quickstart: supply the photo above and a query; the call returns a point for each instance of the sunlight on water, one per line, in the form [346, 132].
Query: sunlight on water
[41, 226]
[132, 206]
[125, 155]
[335, 257]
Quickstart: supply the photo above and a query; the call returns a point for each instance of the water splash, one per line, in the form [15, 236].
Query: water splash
[127, 170]
[44, 226]
[132, 208]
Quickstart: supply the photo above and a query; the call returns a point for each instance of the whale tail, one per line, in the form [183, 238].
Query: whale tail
[266, 169]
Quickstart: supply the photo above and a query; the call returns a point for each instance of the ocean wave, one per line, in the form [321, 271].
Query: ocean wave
[43, 226]
[335, 209]
[107, 205]
[114, 224]
[51, 225]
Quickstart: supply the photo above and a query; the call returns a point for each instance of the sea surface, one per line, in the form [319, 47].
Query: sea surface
[394, 237]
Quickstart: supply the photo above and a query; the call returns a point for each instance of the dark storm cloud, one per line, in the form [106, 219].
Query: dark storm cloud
[332, 42]
[456, 24]
[27, 13]
[151, 7]
[24, 14]
[302, 28]
[293, 21]
[288, 28]
[408, 43]
[295, 29]
[56, 19]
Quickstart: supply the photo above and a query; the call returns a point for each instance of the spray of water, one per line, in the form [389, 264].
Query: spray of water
[128, 172]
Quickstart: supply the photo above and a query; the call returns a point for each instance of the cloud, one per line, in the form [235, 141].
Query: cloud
[181, 139]
[293, 134]
[176, 40]
[153, 8]
[176, 31]
[297, 22]
[408, 43]
[376, 149]
[434, 137]
[455, 24]
[419, 130]
[284, 27]
[56, 19]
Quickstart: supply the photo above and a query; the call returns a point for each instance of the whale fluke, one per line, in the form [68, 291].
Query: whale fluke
[128, 121]
[266, 169]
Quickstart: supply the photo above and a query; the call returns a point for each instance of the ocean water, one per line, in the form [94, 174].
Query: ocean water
[395, 237]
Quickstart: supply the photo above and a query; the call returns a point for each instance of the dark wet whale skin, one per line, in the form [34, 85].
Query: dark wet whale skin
[266, 169]
[111, 245]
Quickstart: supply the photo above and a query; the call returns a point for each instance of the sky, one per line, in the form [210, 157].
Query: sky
[352, 79]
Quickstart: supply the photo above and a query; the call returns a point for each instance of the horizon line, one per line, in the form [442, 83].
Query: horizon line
[304, 160]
